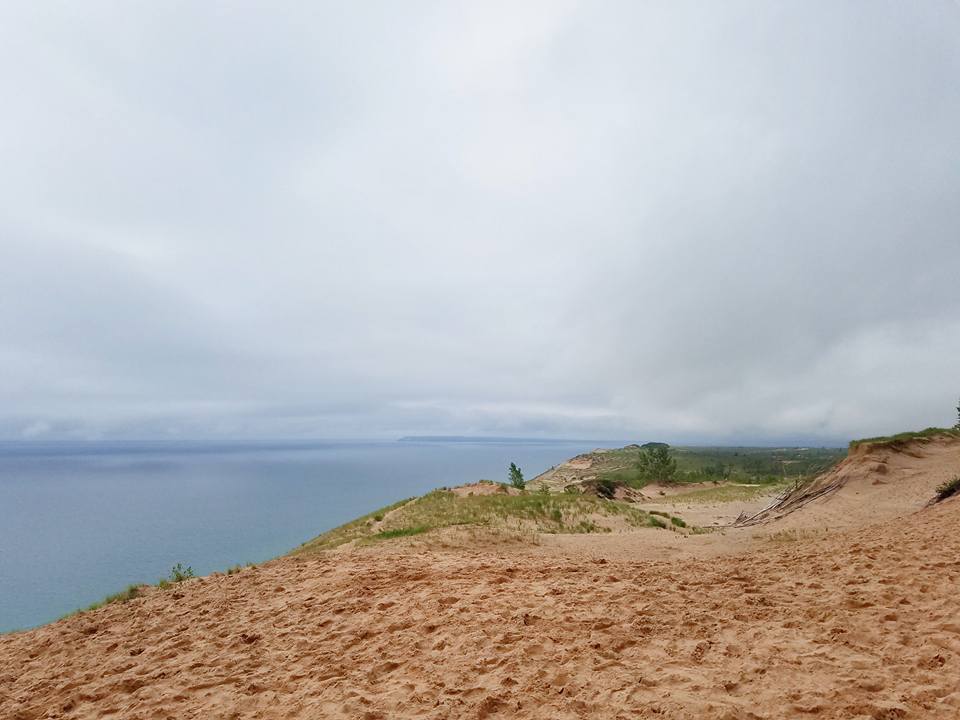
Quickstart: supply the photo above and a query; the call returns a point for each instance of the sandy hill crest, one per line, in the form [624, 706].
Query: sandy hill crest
[877, 481]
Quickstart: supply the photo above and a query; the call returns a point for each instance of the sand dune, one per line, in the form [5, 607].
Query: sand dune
[876, 482]
[862, 621]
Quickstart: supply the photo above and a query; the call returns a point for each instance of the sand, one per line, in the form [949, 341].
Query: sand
[824, 614]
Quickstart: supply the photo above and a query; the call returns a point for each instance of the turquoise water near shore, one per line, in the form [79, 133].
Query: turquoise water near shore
[79, 521]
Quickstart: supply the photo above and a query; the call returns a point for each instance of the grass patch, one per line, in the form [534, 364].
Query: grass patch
[400, 532]
[948, 489]
[720, 494]
[353, 530]
[131, 592]
[679, 522]
[525, 513]
[178, 574]
[905, 437]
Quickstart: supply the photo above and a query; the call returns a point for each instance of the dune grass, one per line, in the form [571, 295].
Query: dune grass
[177, 575]
[353, 530]
[131, 592]
[906, 436]
[536, 512]
[400, 532]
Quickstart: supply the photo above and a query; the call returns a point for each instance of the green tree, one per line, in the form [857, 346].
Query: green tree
[656, 464]
[651, 445]
[516, 477]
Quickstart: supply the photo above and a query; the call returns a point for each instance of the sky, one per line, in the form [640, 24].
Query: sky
[685, 221]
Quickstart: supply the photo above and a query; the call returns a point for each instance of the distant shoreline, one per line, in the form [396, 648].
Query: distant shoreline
[501, 440]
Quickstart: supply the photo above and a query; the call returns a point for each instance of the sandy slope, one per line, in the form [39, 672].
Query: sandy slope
[861, 622]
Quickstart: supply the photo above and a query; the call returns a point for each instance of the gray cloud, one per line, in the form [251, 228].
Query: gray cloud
[681, 220]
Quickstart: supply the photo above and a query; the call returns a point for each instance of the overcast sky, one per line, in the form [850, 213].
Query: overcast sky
[684, 221]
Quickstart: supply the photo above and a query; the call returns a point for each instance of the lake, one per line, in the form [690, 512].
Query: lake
[79, 521]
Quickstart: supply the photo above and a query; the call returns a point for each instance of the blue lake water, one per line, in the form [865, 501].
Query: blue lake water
[79, 521]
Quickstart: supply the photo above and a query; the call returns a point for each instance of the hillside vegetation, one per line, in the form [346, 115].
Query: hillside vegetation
[905, 437]
[729, 465]
[501, 509]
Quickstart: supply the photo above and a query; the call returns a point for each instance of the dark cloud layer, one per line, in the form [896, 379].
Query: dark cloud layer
[695, 221]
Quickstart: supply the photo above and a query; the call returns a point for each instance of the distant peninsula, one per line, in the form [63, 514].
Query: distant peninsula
[494, 439]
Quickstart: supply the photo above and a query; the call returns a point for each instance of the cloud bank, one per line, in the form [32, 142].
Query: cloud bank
[701, 222]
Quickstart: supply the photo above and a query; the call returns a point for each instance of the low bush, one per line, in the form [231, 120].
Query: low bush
[606, 488]
[179, 573]
[948, 489]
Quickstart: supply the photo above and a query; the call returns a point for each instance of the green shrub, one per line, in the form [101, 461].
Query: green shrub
[949, 488]
[678, 522]
[654, 521]
[606, 488]
[179, 573]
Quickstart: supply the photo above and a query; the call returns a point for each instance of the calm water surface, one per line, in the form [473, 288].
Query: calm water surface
[79, 521]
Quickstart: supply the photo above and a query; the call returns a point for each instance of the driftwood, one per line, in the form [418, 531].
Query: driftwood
[787, 502]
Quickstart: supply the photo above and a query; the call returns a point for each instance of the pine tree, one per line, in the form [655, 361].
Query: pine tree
[656, 464]
[516, 477]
